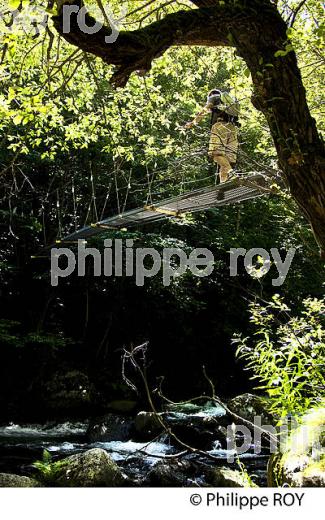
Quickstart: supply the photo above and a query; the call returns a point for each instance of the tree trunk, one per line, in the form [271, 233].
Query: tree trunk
[280, 95]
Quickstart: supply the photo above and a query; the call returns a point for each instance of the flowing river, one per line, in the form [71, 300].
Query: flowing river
[22, 445]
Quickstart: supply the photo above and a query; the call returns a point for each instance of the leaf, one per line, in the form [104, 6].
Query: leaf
[14, 4]
[283, 53]
[47, 457]
[17, 119]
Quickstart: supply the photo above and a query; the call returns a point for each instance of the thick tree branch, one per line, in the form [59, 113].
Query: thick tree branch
[135, 50]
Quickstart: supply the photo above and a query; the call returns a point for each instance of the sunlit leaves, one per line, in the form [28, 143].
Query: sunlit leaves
[287, 354]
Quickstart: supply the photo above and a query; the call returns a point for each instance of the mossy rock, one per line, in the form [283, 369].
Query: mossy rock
[147, 424]
[169, 474]
[94, 468]
[301, 463]
[8, 480]
[110, 427]
[226, 477]
[248, 406]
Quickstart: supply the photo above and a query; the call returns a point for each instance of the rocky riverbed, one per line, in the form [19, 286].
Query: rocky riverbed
[142, 452]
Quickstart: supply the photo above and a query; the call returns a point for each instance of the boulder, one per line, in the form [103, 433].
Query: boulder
[93, 468]
[226, 477]
[199, 431]
[199, 427]
[249, 406]
[301, 461]
[198, 438]
[169, 474]
[110, 427]
[147, 424]
[17, 481]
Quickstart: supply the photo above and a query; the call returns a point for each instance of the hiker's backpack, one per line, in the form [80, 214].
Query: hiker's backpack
[225, 103]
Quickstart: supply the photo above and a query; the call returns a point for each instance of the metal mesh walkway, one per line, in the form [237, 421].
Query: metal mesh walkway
[236, 190]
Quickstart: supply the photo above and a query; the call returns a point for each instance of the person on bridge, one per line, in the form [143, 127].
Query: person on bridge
[223, 145]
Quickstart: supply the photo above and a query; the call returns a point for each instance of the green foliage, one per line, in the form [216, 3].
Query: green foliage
[245, 475]
[58, 136]
[287, 354]
[7, 334]
[46, 469]
[11, 334]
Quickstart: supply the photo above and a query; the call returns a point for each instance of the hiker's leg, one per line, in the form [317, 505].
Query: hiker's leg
[225, 167]
[214, 141]
[232, 144]
[218, 140]
[217, 145]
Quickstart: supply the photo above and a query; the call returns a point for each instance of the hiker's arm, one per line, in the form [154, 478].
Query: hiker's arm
[200, 115]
